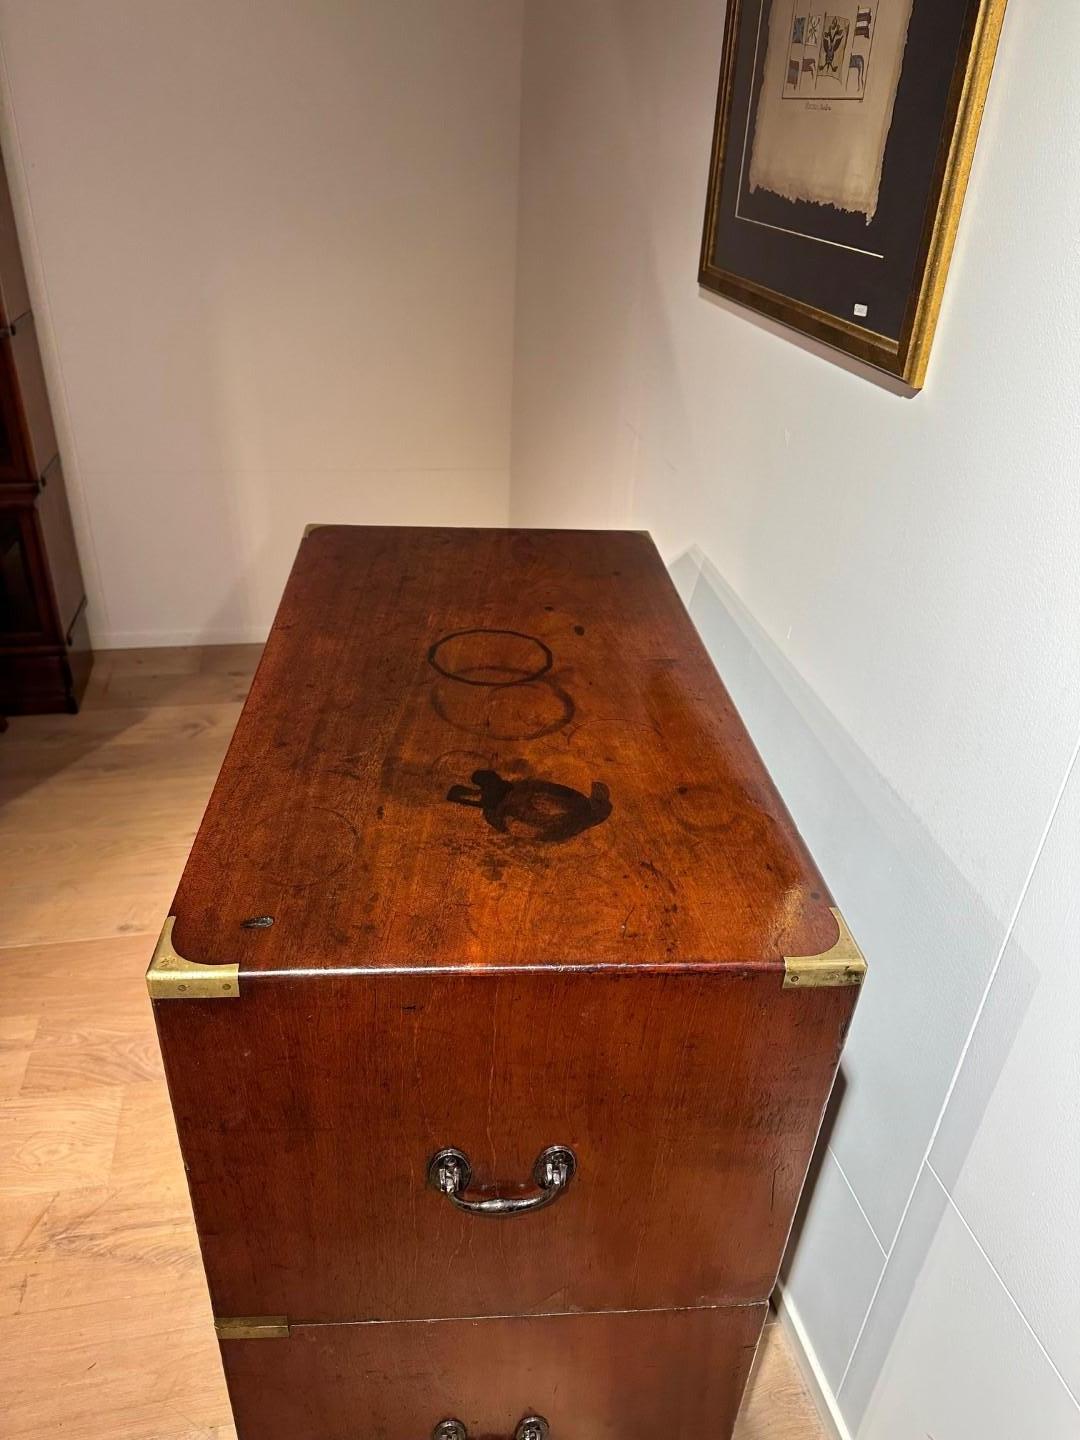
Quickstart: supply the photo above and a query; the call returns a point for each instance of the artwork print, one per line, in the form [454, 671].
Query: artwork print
[842, 146]
[826, 105]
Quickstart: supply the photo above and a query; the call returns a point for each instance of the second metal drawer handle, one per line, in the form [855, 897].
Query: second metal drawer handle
[533, 1427]
[450, 1173]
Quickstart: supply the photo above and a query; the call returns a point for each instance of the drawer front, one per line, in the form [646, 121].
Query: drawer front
[589, 1377]
[309, 1110]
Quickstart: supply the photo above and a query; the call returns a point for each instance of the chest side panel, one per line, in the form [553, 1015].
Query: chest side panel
[308, 1111]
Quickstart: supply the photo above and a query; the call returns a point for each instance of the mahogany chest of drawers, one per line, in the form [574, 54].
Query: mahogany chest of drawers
[494, 1062]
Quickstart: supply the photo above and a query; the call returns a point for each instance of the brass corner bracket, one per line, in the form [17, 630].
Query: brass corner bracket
[842, 965]
[171, 977]
[253, 1327]
[318, 525]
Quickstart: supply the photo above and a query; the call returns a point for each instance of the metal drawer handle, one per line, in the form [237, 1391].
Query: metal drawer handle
[532, 1427]
[449, 1171]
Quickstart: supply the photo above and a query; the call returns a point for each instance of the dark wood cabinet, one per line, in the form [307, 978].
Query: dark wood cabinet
[500, 1003]
[45, 655]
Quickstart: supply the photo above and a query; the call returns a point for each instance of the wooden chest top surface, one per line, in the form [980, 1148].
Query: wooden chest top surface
[492, 748]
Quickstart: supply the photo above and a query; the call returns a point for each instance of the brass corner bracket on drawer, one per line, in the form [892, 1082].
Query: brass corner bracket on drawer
[842, 965]
[252, 1327]
[171, 977]
[316, 525]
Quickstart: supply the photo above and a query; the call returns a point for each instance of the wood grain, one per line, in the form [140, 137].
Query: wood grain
[96, 819]
[107, 1332]
[592, 1377]
[46, 1146]
[309, 1108]
[16, 1037]
[493, 748]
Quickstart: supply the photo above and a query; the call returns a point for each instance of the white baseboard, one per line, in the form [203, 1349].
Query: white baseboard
[156, 639]
[807, 1361]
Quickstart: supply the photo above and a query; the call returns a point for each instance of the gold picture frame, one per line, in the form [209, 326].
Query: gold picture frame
[904, 350]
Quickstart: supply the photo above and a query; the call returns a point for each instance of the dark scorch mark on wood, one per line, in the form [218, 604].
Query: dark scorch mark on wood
[533, 809]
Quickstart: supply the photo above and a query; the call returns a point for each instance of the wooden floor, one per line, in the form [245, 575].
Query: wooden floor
[105, 1329]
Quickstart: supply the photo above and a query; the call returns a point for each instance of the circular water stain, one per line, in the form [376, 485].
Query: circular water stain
[525, 711]
[311, 853]
[702, 808]
[490, 659]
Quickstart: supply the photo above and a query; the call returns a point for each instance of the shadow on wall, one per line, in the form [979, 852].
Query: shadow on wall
[811, 346]
[929, 940]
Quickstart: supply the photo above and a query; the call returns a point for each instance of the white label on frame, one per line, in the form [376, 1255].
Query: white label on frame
[861, 311]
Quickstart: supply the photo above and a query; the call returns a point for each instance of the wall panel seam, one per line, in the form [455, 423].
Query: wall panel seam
[1002, 949]
[998, 1277]
[858, 1202]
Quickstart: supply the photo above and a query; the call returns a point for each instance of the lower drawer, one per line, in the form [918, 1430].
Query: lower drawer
[645, 1375]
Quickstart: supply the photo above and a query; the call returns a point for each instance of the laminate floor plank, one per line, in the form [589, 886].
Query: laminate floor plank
[17, 1033]
[60, 1141]
[184, 675]
[98, 812]
[91, 1045]
[777, 1406]
[105, 1330]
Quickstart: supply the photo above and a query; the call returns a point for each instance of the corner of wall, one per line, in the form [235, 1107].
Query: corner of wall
[515, 315]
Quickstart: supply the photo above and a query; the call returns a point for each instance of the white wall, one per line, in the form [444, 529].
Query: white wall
[891, 589]
[272, 249]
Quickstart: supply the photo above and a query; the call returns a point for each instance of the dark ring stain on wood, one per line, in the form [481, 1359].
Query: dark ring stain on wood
[529, 710]
[488, 660]
[300, 859]
[533, 809]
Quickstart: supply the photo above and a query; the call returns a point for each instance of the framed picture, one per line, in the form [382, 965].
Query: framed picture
[844, 136]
